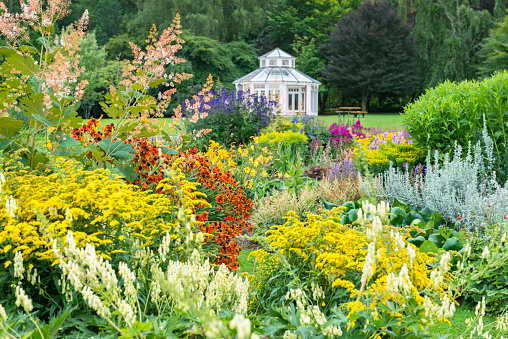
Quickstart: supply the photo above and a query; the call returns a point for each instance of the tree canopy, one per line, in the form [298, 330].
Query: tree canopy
[372, 52]
[456, 40]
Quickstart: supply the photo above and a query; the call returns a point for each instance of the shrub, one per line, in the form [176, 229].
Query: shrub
[453, 112]
[97, 207]
[459, 187]
[312, 128]
[382, 148]
[234, 117]
[289, 138]
[272, 209]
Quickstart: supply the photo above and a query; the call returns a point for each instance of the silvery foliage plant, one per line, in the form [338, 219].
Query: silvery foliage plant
[464, 187]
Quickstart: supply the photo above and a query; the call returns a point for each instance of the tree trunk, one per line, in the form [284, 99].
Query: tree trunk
[365, 99]
[322, 102]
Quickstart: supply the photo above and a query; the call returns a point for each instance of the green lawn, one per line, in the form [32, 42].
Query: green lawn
[383, 121]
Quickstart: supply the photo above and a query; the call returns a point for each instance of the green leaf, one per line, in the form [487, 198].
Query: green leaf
[345, 220]
[41, 119]
[171, 151]
[33, 104]
[398, 211]
[349, 205]
[117, 149]
[418, 241]
[4, 144]
[400, 204]
[452, 244]
[428, 246]
[408, 219]
[329, 205]
[9, 127]
[437, 239]
[14, 61]
[353, 215]
[128, 172]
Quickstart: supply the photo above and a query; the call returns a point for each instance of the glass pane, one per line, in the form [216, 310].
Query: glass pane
[296, 107]
[303, 101]
[290, 101]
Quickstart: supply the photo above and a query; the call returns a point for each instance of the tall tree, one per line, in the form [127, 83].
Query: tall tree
[372, 53]
[450, 34]
[495, 49]
[223, 20]
[301, 27]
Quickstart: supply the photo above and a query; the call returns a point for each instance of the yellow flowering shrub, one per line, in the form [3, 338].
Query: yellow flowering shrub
[289, 137]
[97, 206]
[366, 270]
[381, 148]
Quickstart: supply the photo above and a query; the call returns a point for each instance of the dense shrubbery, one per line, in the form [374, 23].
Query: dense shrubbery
[453, 113]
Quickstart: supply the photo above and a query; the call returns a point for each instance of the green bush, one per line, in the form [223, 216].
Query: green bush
[453, 112]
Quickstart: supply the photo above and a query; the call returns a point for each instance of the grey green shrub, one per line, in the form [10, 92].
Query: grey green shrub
[459, 186]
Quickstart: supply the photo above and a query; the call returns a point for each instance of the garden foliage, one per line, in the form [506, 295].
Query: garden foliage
[363, 269]
[233, 117]
[455, 112]
[460, 186]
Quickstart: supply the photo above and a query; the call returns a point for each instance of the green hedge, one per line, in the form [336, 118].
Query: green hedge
[454, 112]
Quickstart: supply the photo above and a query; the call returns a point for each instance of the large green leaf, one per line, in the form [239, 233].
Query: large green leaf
[428, 246]
[9, 127]
[349, 205]
[33, 105]
[418, 241]
[23, 64]
[128, 172]
[4, 144]
[329, 205]
[452, 244]
[353, 215]
[117, 149]
[437, 239]
[408, 219]
[400, 204]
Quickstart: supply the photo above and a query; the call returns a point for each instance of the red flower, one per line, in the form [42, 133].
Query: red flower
[459, 218]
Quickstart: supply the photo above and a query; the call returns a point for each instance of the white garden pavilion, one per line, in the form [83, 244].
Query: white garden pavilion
[278, 79]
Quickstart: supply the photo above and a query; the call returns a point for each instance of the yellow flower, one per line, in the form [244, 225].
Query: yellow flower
[7, 263]
[49, 145]
[51, 129]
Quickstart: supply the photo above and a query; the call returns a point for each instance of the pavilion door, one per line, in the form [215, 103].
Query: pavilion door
[296, 100]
